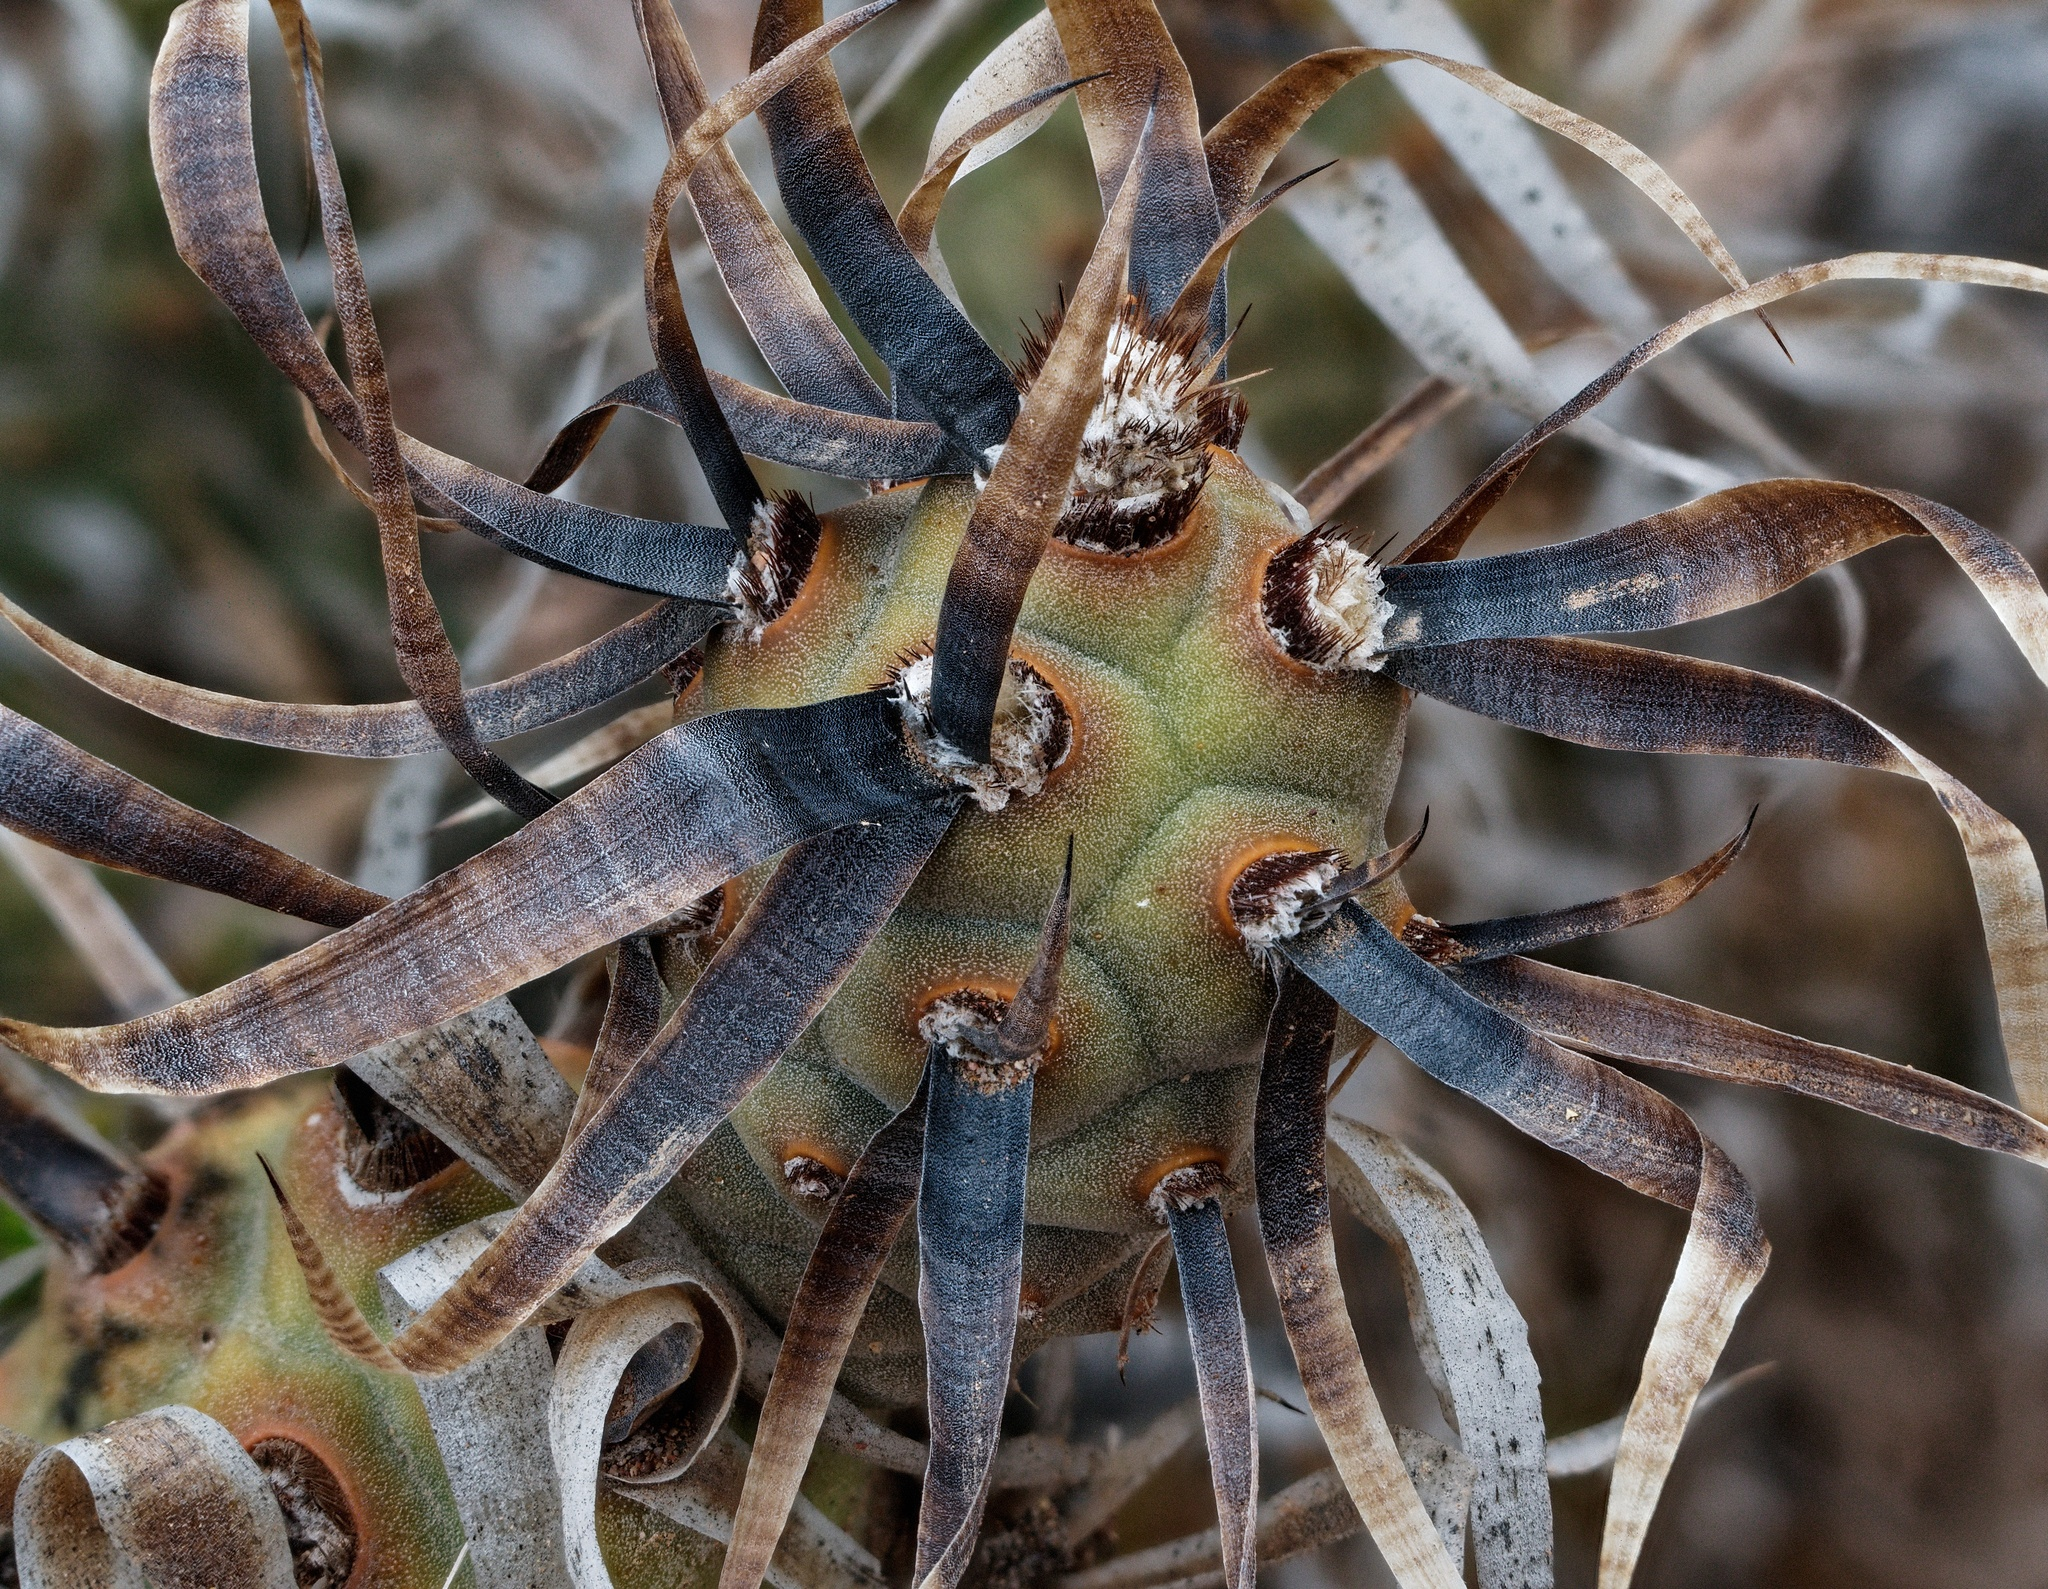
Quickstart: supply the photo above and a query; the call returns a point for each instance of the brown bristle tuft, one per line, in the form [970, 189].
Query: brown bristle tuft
[385, 1149]
[964, 1024]
[813, 1180]
[135, 1207]
[1322, 602]
[782, 545]
[319, 1525]
[1144, 455]
[1426, 936]
[1268, 898]
[684, 943]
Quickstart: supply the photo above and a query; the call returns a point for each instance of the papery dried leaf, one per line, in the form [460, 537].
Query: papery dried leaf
[1294, 1225]
[480, 1082]
[204, 152]
[920, 212]
[1621, 1021]
[1473, 1343]
[120, 959]
[814, 1553]
[1016, 512]
[1376, 229]
[703, 803]
[1608, 1122]
[1130, 1467]
[937, 358]
[1142, 83]
[1194, 298]
[575, 682]
[58, 795]
[599, 1348]
[1307, 1515]
[1027, 62]
[1327, 487]
[1242, 145]
[167, 1497]
[1591, 692]
[1451, 528]
[769, 287]
[856, 1240]
[1504, 159]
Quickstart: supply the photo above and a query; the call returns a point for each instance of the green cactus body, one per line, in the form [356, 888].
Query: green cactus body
[1196, 747]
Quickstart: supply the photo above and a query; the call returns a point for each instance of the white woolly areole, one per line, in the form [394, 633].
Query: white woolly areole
[1143, 439]
[1181, 1189]
[964, 1025]
[1283, 907]
[1345, 609]
[1025, 742]
[958, 1027]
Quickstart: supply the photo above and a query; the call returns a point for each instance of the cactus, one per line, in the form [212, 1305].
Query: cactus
[1015, 847]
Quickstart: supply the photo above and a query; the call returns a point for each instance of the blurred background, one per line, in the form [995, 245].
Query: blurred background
[159, 500]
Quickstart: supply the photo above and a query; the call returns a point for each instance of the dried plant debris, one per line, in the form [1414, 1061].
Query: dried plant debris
[855, 1076]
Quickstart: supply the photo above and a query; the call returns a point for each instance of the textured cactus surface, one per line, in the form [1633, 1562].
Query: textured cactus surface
[964, 939]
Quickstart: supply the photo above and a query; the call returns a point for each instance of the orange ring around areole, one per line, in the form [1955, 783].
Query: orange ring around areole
[810, 1148]
[1146, 1181]
[1256, 602]
[1255, 850]
[323, 1451]
[993, 988]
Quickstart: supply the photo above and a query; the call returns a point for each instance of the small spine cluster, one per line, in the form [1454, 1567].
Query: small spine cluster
[1324, 603]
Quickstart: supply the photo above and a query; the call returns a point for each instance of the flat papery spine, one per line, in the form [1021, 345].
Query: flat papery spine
[1142, 95]
[588, 676]
[932, 350]
[1514, 935]
[789, 324]
[632, 1015]
[1609, 1122]
[844, 1266]
[332, 1305]
[1591, 692]
[1621, 1021]
[68, 1181]
[1726, 550]
[426, 657]
[970, 1231]
[203, 149]
[766, 425]
[1301, 1255]
[1223, 1375]
[58, 795]
[702, 803]
[1014, 516]
[767, 983]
